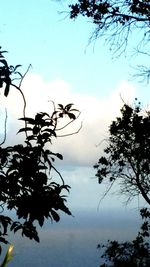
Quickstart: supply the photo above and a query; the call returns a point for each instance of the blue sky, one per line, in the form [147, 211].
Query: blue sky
[34, 32]
[65, 68]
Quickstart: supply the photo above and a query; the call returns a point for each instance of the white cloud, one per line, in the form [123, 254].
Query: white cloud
[96, 114]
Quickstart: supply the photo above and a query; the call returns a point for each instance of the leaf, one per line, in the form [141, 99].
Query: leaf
[5, 221]
[72, 116]
[38, 118]
[3, 240]
[16, 67]
[31, 137]
[68, 107]
[7, 87]
[24, 129]
[61, 106]
[55, 216]
[52, 132]
[59, 156]
[45, 136]
[61, 115]
[74, 109]
[1, 83]
[17, 228]
[66, 187]
[65, 209]
[36, 130]
[29, 120]
[1, 52]
[4, 62]
[41, 221]
[36, 238]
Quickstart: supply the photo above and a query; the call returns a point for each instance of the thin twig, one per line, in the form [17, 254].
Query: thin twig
[22, 94]
[23, 76]
[5, 128]
[104, 195]
[64, 135]
[58, 174]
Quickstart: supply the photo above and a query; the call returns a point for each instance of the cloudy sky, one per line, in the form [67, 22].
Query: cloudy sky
[65, 69]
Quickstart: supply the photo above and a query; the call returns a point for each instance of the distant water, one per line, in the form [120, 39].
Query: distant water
[73, 241]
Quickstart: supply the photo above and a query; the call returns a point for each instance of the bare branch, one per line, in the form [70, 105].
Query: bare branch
[22, 94]
[108, 189]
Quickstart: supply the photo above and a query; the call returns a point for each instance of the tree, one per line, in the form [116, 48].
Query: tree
[127, 160]
[117, 18]
[127, 163]
[26, 183]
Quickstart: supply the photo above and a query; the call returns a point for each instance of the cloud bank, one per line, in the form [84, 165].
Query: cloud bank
[81, 149]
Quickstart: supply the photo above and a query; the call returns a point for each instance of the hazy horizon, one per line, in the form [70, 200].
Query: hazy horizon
[73, 241]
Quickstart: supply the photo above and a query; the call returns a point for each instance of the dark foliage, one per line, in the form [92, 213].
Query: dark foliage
[127, 163]
[26, 183]
[7, 73]
[127, 159]
[117, 18]
[129, 254]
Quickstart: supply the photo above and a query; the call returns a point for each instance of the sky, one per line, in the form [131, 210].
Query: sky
[67, 69]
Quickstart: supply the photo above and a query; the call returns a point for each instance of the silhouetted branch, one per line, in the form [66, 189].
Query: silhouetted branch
[22, 94]
[105, 194]
[114, 19]
[69, 134]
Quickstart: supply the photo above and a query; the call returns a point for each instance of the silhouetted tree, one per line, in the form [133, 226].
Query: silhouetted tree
[127, 163]
[127, 155]
[26, 183]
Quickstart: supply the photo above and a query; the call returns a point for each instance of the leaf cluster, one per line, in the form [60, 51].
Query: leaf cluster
[7, 73]
[44, 127]
[25, 181]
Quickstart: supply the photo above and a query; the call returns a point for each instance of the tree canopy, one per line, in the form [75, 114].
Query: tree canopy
[117, 19]
[126, 158]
